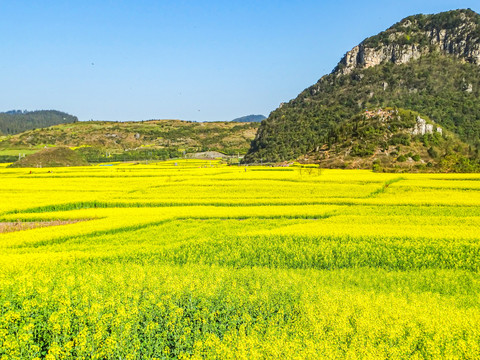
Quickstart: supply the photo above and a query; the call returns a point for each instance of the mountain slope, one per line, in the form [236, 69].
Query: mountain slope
[158, 138]
[391, 139]
[17, 121]
[425, 63]
[51, 157]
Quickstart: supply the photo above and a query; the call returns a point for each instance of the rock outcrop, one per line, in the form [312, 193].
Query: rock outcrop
[421, 128]
[414, 37]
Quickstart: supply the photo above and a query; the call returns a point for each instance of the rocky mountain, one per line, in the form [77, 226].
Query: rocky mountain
[454, 33]
[429, 64]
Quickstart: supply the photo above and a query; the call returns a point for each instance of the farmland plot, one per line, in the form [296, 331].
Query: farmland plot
[198, 260]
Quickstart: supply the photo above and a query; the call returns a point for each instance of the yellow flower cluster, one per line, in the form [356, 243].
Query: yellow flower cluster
[198, 260]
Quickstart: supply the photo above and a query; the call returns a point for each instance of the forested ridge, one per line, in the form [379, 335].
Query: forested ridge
[17, 121]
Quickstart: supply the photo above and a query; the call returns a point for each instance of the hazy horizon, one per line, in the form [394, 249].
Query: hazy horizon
[136, 120]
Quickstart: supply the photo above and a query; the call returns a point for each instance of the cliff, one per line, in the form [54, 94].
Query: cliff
[454, 33]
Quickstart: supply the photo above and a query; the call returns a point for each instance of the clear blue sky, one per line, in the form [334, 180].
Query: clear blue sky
[192, 60]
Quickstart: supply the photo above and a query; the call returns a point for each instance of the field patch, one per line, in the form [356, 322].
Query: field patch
[182, 260]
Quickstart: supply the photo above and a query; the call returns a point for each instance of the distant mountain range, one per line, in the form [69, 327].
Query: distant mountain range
[250, 118]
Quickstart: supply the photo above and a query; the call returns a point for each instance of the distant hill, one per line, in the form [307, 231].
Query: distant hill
[17, 121]
[249, 118]
[155, 139]
[52, 157]
[425, 63]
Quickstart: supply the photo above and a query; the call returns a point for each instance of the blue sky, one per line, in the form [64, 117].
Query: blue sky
[191, 60]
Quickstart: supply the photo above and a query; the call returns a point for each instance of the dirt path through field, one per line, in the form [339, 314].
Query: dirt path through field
[19, 226]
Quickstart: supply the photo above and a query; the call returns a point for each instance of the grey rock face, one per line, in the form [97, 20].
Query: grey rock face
[429, 129]
[419, 128]
[422, 128]
[461, 41]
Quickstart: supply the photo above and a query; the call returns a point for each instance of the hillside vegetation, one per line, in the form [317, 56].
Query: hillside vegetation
[51, 157]
[443, 86]
[392, 139]
[156, 139]
[17, 121]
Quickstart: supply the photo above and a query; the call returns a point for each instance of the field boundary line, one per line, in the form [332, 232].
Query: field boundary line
[384, 187]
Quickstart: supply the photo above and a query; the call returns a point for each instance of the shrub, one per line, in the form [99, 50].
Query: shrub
[432, 152]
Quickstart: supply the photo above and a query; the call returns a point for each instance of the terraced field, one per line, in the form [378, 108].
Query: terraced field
[197, 260]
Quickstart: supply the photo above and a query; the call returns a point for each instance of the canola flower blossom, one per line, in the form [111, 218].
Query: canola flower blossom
[199, 260]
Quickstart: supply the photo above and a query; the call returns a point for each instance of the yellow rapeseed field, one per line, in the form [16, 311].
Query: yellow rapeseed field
[198, 260]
